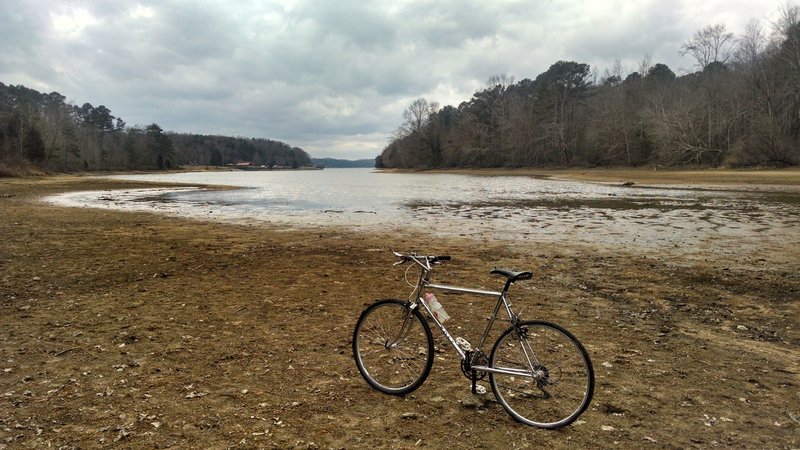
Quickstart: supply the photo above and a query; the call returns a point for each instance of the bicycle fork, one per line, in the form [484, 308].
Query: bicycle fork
[401, 334]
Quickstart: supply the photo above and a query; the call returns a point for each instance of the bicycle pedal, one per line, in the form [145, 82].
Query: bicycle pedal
[464, 344]
[480, 390]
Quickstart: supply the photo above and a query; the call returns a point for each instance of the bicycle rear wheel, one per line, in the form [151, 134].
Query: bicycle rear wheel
[550, 380]
[393, 347]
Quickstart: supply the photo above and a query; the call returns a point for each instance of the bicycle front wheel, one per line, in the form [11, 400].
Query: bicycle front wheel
[393, 347]
[546, 377]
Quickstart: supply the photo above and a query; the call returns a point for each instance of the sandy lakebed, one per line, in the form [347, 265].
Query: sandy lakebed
[140, 330]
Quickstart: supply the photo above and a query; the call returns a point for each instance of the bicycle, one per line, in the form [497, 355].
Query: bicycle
[538, 371]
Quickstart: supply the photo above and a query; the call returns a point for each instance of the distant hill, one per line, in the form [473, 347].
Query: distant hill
[342, 163]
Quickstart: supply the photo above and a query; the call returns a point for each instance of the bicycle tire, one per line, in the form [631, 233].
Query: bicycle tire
[564, 383]
[389, 362]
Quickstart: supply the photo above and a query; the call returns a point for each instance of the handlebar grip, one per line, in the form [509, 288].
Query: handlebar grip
[441, 258]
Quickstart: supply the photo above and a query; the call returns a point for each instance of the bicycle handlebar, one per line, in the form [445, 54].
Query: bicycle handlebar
[420, 258]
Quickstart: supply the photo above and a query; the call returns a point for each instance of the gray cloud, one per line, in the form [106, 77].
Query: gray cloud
[331, 77]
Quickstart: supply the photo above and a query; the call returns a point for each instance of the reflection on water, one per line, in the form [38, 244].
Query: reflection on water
[498, 207]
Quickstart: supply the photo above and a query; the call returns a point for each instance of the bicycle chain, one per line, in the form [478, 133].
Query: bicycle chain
[466, 365]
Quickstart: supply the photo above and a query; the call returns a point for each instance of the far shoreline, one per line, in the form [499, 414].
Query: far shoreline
[618, 175]
[645, 176]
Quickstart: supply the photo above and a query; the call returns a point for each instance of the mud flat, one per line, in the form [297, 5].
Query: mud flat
[139, 330]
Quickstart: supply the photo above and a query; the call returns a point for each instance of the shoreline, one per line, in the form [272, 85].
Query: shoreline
[640, 176]
[774, 177]
[142, 330]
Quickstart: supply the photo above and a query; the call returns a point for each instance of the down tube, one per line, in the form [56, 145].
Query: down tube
[452, 341]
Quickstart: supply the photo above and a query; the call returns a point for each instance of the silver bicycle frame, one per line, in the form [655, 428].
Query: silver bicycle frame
[502, 299]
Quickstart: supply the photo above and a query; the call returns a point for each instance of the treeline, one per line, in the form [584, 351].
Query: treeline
[195, 149]
[740, 108]
[45, 132]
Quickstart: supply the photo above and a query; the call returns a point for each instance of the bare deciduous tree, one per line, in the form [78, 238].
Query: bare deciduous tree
[416, 117]
[750, 45]
[711, 44]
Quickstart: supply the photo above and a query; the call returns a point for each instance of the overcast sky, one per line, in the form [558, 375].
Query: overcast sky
[330, 76]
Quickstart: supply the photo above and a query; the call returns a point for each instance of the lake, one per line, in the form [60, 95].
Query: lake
[688, 219]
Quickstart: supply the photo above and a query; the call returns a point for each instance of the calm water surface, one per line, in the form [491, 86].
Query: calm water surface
[497, 207]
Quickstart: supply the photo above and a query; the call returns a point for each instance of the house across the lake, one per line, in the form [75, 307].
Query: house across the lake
[247, 165]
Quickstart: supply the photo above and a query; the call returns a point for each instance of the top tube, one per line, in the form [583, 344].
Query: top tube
[463, 290]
